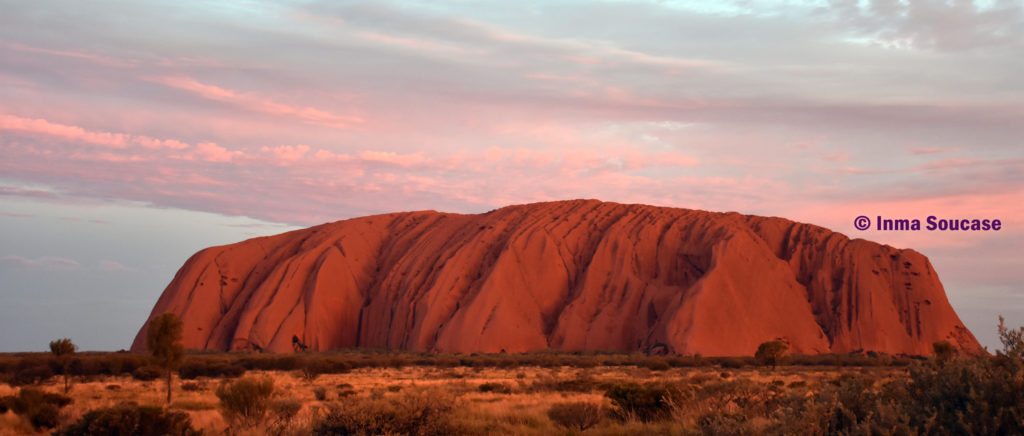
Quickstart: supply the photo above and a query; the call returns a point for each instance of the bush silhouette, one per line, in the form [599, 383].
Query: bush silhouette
[646, 403]
[578, 416]
[944, 351]
[969, 395]
[129, 419]
[495, 387]
[656, 364]
[30, 371]
[770, 353]
[1012, 340]
[244, 402]
[282, 414]
[147, 373]
[193, 369]
[413, 413]
[41, 409]
[980, 395]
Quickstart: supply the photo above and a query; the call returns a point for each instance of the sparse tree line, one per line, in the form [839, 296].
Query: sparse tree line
[947, 394]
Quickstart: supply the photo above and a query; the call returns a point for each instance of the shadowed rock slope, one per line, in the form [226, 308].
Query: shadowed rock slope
[568, 275]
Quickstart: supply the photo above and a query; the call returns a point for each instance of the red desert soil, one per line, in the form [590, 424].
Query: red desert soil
[568, 275]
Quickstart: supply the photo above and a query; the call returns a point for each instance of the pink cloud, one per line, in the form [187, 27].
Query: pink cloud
[122, 145]
[151, 143]
[287, 153]
[73, 133]
[325, 155]
[211, 152]
[89, 57]
[418, 45]
[256, 103]
[403, 160]
[79, 134]
[930, 150]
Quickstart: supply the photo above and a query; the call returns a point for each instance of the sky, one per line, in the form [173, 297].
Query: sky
[133, 134]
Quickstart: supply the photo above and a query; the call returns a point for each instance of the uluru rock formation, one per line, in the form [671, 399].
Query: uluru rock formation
[568, 275]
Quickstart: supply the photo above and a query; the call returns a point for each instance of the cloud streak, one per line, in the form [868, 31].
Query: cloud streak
[44, 262]
[259, 104]
[76, 134]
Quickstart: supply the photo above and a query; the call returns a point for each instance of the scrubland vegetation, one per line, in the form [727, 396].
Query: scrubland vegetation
[366, 392]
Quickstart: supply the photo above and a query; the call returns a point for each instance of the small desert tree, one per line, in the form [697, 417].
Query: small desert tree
[944, 351]
[62, 349]
[1013, 341]
[770, 353]
[163, 339]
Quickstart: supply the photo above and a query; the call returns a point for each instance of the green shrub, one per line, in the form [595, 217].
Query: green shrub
[413, 413]
[130, 419]
[771, 353]
[244, 402]
[282, 414]
[649, 402]
[320, 393]
[106, 364]
[311, 370]
[578, 416]
[732, 363]
[1013, 342]
[685, 361]
[193, 369]
[147, 373]
[579, 384]
[271, 362]
[121, 363]
[579, 362]
[725, 424]
[656, 364]
[970, 395]
[83, 366]
[30, 375]
[965, 396]
[851, 406]
[345, 390]
[498, 388]
[30, 371]
[41, 409]
[943, 350]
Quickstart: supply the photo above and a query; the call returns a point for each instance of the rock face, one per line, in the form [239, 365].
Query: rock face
[570, 275]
